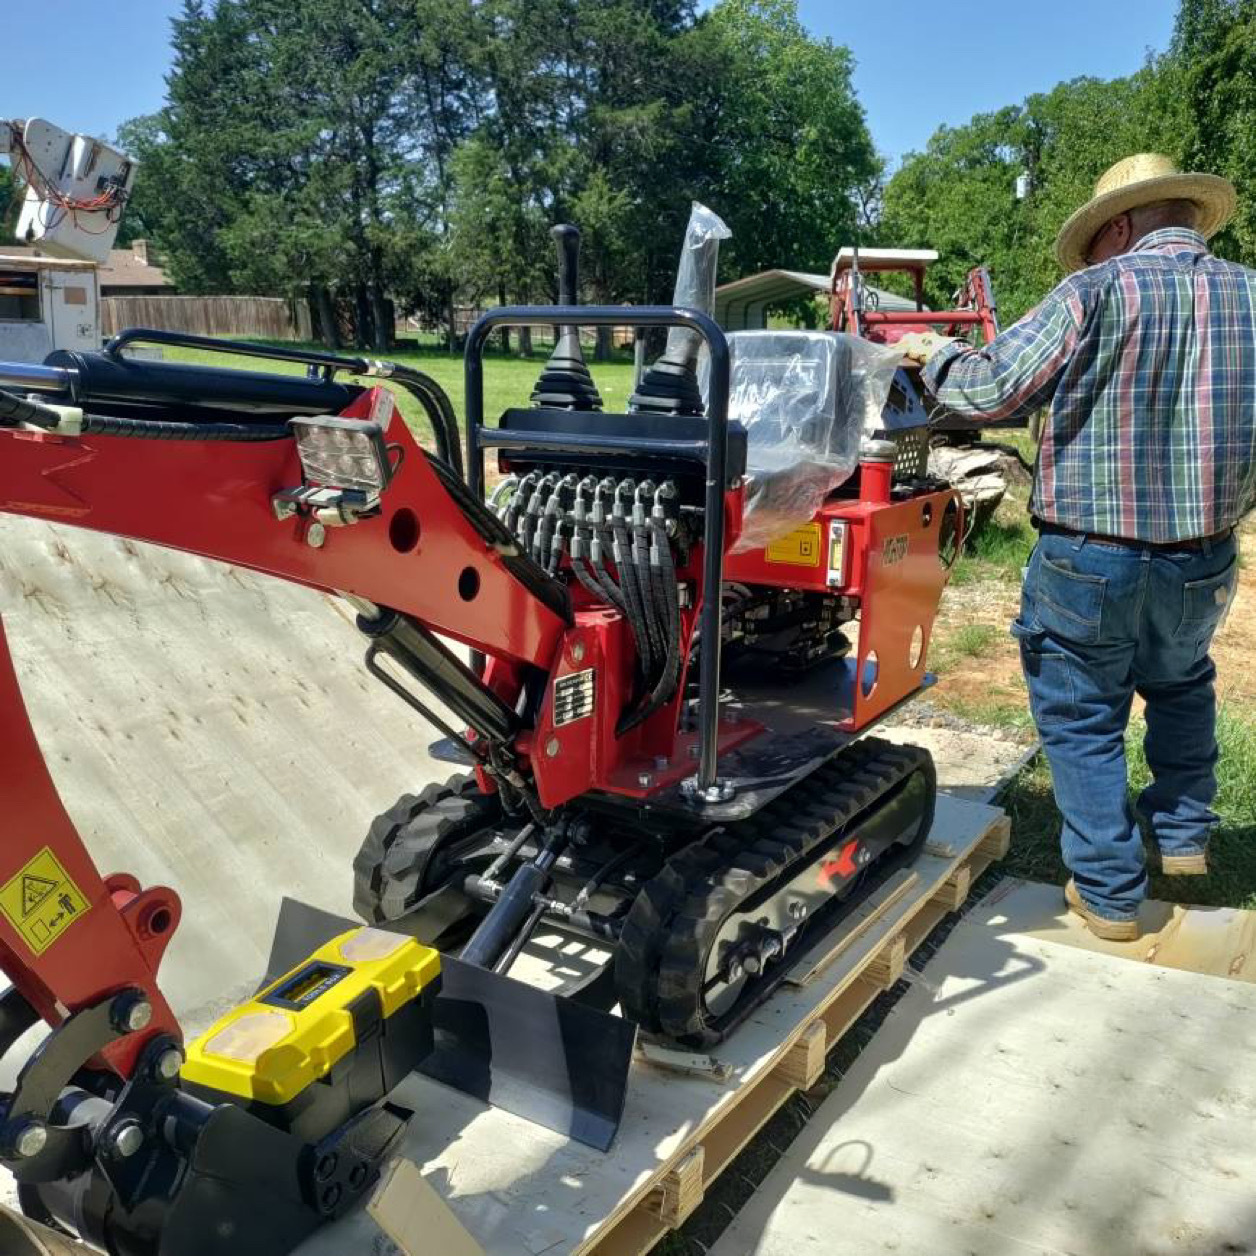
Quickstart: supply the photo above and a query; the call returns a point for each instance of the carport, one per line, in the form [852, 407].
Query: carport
[743, 304]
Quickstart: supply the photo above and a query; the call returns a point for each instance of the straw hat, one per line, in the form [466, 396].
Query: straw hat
[1142, 180]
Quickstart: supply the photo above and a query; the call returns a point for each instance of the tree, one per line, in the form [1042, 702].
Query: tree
[1218, 54]
[9, 201]
[958, 195]
[301, 147]
[419, 149]
[788, 143]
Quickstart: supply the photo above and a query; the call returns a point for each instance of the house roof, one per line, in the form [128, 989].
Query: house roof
[742, 304]
[125, 269]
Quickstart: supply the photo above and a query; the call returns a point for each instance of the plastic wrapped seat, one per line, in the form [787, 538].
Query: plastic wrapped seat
[805, 398]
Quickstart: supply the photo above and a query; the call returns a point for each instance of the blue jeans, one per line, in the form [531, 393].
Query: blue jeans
[1098, 623]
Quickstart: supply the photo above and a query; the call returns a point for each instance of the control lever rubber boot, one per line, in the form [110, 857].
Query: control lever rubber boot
[565, 382]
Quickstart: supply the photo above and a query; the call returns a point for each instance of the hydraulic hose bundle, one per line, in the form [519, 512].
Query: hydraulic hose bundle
[616, 538]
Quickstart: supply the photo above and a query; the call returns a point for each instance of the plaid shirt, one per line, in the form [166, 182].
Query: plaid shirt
[1147, 363]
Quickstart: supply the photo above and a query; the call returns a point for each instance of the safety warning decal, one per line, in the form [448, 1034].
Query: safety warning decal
[801, 548]
[41, 902]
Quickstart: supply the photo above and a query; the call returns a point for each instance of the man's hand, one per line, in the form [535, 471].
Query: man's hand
[920, 346]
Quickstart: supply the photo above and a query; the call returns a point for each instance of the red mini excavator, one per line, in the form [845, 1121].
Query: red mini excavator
[658, 733]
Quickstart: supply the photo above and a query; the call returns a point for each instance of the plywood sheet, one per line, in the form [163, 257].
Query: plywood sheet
[1219, 941]
[1030, 1097]
[210, 729]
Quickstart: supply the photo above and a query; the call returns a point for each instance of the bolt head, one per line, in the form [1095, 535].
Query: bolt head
[797, 909]
[552, 747]
[130, 1012]
[32, 1138]
[138, 1015]
[577, 651]
[645, 780]
[721, 791]
[126, 1138]
[169, 1062]
[315, 535]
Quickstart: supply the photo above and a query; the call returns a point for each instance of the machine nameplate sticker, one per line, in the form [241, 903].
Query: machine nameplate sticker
[894, 550]
[41, 902]
[800, 548]
[573, 697]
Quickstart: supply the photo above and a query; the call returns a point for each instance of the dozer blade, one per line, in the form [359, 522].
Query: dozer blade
[561, 1064]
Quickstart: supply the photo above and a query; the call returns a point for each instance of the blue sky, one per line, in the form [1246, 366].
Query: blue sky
[88, 66]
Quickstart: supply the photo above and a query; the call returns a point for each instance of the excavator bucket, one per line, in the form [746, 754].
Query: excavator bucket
[559, 1063]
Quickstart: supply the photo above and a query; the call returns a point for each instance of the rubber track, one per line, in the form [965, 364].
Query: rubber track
[661, 959]
[390, 872]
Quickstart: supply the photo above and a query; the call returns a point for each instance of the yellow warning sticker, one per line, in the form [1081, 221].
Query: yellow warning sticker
[41, 902]
[801, 548]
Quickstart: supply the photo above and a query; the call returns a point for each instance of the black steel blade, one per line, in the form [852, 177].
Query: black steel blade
[546, 1058]
[558, 1063]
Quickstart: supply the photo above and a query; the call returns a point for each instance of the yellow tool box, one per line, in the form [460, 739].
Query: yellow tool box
[328, 1039]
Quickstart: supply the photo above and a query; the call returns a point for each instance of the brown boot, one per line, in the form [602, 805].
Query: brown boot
[1184, 865]
[1101, 926]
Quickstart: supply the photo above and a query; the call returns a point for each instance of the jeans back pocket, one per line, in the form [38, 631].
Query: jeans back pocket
[1205, 601]
[1069, 604]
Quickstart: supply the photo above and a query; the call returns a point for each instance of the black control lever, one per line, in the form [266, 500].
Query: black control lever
[565, 382]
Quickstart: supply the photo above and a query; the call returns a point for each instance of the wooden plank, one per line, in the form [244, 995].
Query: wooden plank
[1004, 1107]
[679, 1191]
[415, 1217]
[997, 842]
[804, 1061]
[888, 964]
[954, 890]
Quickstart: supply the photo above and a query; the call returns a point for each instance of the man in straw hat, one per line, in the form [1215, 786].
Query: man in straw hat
[1143, 361]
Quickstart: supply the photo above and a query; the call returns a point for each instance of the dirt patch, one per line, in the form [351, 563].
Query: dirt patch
[991, 678]
[977, 684]
[1235, 644]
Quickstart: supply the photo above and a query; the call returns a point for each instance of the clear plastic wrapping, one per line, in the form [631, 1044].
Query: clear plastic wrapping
[806, 399]
[695, 276]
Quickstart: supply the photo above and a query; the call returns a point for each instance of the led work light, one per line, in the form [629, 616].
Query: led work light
[345, 468]
[343, 453]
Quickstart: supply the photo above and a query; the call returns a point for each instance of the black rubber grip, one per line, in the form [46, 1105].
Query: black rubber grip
[15, 409]
[161, 429]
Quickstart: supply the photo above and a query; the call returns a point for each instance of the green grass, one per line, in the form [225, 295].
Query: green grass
[1004, 710]
[507, 380]
[1000, 549]
[1035, 852]
[969, 641]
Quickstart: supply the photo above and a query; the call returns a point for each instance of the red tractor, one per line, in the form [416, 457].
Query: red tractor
[659, 740]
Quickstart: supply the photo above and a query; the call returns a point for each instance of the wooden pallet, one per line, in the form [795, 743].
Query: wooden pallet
[518, 1189]
[865, 960]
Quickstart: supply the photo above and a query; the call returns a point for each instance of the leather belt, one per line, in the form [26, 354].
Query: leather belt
[1195, 543]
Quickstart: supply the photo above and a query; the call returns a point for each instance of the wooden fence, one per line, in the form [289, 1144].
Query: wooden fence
[267, 318]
